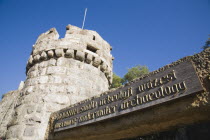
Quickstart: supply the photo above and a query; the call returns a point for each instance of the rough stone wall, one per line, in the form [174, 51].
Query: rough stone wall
[159, 122]
[59, 72]
[7, 111]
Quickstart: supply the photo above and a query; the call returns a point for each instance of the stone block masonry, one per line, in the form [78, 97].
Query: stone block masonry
[60, 72]
[172, 97]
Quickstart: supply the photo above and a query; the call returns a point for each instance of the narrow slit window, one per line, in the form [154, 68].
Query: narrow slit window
[94, 37]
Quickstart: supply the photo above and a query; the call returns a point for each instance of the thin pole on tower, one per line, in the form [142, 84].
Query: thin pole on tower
[83, 24]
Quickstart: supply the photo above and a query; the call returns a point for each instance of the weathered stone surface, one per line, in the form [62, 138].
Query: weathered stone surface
[21, 85]
[30, 61]
[51, 34]
[50, 54]
[42, 79]
[62, 61]
[37, 58]
[69, 53]
[44, 64]
[43, 56]
[29, 131]
[15, 132]
[56, 98]
[194, 108]
[54, 79]
[59, 52]
[35, 119]
[103, 67]
[96, 62]
[57, 76]
[80, 56]
[42, 71]
[52, 62]
[89, 58]
[7, 105]
[28, 90]
[56, 70]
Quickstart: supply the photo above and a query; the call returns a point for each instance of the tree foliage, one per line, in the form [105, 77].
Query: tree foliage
[117, 81]
[135, 72]
[132, 73]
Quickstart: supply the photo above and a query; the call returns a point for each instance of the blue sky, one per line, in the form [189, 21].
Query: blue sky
[146, 32]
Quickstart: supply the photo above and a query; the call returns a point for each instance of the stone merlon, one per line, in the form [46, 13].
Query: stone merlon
[83, 45]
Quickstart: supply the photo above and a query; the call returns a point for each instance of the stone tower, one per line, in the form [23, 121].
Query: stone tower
[59, 72]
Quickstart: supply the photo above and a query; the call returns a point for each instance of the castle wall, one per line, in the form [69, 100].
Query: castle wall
[7, 111]
[60, 72]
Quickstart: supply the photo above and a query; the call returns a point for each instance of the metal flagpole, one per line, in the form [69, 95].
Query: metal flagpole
[84, 18]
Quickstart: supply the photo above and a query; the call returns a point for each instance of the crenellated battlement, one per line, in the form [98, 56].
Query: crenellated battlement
[83, 45]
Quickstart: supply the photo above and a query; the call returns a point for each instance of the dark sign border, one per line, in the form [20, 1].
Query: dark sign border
[182, 76]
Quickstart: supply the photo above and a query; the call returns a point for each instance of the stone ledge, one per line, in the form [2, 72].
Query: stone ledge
[85, 57]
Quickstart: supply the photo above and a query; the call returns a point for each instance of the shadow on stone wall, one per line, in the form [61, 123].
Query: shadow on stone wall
[191, 132]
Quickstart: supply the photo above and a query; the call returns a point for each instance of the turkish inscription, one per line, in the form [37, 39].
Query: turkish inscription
[173, 83]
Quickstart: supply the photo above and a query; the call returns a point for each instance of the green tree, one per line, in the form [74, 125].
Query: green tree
[207, 45]
[132, 73]
[135, 72]
[117, 81]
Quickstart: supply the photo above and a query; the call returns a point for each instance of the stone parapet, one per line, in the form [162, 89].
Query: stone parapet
[85, 57]
[83, 45]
